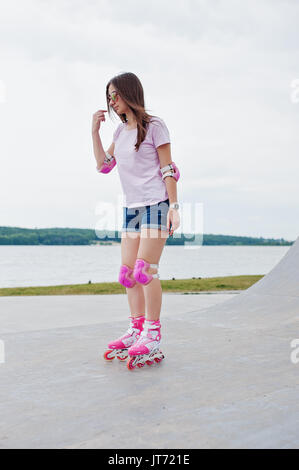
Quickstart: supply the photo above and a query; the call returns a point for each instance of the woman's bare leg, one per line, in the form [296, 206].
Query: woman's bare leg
[129, 248]
[152, 242]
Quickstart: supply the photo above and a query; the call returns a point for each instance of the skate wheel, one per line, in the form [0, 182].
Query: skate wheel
[140, 365]
[121, 358]
[159, 359]
[149, 363]
[106, 355]
[130, 365]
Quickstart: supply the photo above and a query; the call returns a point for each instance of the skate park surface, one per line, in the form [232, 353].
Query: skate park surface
[227, 380]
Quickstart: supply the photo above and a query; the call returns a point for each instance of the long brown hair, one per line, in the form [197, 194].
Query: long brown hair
[130, 90]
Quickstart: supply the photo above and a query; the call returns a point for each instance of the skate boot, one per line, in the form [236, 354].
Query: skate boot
[119, 347]
[146, 350]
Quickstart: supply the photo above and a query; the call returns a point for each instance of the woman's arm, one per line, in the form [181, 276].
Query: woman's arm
[171, 184]
[173, 217]
[98, 149]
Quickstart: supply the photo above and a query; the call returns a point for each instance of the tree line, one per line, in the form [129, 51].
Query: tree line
[75, 236]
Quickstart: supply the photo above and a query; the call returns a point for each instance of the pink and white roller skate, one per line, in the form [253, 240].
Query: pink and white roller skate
[146, 350]
[119, 347]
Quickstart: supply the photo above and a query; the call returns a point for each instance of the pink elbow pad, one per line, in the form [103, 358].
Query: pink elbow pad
[170, 170]
[108, 165]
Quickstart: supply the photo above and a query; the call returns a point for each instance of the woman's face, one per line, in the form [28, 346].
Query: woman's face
[118, 104]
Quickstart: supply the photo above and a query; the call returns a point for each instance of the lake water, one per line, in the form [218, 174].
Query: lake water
[42, 265]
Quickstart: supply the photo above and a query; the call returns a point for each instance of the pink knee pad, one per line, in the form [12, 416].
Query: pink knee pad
[123, 278]
[140, 274]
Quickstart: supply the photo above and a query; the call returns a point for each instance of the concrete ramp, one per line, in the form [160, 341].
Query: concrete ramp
[271, 302]
[283, 280]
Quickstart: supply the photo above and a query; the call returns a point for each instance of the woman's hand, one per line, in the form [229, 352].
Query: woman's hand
[97, 118]
[173, 219]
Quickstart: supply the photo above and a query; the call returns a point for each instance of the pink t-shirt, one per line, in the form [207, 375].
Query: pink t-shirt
[139, 172]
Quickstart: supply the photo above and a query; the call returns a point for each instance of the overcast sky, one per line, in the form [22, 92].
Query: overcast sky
[220, 73]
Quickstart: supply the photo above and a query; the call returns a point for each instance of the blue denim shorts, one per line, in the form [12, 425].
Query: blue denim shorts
[154, 216]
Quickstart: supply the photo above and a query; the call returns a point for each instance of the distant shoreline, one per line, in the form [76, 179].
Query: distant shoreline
[72, 236]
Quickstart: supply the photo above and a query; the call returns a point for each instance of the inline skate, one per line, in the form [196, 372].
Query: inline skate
[119, 347]
[146, 350]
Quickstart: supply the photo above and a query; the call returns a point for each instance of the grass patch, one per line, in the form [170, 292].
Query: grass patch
[177, 285]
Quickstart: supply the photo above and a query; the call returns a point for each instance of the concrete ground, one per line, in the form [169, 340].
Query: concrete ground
[227, 381]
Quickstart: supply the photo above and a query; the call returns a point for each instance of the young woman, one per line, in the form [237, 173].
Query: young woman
[141, 150]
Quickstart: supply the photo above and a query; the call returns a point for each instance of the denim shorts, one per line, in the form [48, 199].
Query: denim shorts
[154, 216]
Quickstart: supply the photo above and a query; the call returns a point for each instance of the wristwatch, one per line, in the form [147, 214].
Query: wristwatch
[174, 205]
